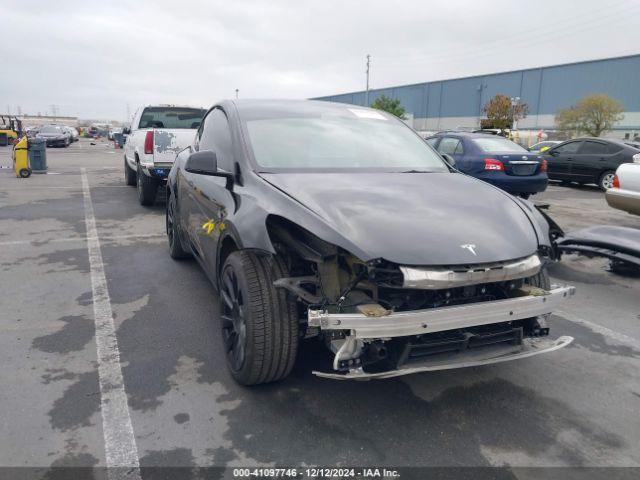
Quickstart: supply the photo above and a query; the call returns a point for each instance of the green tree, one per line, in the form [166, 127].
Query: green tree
[389, 105]
[501, 113]
[593, 115]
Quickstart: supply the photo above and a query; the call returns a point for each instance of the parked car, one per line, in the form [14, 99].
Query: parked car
[318, 219]
[113, 131]
[589, 160]
[54, 136]
[157, 134]
[494, 159]
[625, 191]
[73, 133]
[542, 147]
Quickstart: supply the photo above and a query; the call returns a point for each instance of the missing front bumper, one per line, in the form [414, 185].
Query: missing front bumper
[420, 322]
[471, 358]
[474, 334]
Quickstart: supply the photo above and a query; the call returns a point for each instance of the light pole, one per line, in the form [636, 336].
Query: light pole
[514, 104]
[237, 92]
[366, 97]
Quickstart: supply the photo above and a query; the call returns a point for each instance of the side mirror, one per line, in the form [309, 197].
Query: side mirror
[202, 163]
[553, 153]
[126, 131]
[205, 162]
[449, 159]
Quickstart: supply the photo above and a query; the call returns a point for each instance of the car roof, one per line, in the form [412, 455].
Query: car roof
[447, 133]
[276, 107]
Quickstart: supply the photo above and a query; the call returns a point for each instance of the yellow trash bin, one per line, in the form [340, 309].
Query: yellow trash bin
[21, 158]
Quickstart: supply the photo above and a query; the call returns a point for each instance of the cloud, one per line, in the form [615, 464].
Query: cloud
[92, 58]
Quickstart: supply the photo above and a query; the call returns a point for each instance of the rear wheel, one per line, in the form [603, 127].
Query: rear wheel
[175, 244]
[259, 321]
[606, 180]
[147, 188]
[129, 174]
[25, 173]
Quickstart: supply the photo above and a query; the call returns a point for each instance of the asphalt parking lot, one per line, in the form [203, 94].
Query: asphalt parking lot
[575, 407]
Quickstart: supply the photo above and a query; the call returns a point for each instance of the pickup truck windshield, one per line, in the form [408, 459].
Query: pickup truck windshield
[171, 117]
[353, 139]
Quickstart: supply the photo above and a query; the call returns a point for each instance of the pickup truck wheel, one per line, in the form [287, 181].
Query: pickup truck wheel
[606, 180]
[129, 174]
[259, 321]
[147, 188]
[176, 251]
[541, 280]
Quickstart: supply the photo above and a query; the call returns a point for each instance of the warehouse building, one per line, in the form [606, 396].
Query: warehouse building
[457, 103]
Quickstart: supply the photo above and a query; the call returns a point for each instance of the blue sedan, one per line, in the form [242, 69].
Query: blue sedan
[494, 159]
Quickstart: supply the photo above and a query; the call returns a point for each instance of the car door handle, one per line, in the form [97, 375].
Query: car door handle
[190, 183]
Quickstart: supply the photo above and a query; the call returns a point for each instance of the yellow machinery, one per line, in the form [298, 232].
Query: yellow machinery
[12, 126]
[21, 158]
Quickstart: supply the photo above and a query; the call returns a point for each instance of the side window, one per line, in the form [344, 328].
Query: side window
[614, 148]
[594, 148]
[571, 147]
[216, 136]
[450, 146]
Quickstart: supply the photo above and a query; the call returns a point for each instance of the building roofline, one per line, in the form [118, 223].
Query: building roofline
[581, 62]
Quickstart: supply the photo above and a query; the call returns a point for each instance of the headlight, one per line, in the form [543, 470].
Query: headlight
[636, 158]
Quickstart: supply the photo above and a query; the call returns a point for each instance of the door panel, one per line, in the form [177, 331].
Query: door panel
[560, 160]
[590, 160]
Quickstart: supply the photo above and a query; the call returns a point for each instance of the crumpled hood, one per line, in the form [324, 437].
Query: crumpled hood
[415, 218]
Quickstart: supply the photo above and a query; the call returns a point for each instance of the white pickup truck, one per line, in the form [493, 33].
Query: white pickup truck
[157, 134]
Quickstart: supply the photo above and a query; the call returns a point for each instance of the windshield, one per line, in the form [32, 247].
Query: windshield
[336, 139]
[498, 145]
[171, 117]
[50, 129]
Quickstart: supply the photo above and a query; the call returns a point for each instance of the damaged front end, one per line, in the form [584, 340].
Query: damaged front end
[382, 320]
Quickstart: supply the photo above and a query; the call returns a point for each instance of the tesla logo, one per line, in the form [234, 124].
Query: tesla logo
[524, 158]
[469, 246]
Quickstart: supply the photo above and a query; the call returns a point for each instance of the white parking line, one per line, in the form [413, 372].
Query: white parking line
[602, 330]
[119, 440]
[138, 236]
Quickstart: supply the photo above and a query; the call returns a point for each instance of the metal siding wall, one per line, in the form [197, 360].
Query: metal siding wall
[530, 93]
[411, 98]
[545, 90]
[505, 83]
[460, 98]
[564, 85]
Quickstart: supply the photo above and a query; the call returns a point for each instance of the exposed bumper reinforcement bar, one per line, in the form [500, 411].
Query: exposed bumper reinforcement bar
[470, 358]
[418, 322]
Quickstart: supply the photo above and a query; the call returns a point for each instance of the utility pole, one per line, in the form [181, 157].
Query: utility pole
[514, 105]
[54, 111]
[366, 98]
[237, 92]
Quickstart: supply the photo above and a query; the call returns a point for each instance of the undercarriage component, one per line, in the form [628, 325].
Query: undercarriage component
[435, 278]
[417, 322]
[469, 358]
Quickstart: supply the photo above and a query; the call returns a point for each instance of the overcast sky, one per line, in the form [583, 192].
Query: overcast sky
[91, 59]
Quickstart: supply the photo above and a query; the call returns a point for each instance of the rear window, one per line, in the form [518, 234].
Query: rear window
[50, 129]
[495, 144]
[171, 117]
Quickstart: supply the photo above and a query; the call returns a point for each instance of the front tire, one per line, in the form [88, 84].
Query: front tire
[541, 279]
[259, 321]
[606, 180]
[147, 188]
[176, 251]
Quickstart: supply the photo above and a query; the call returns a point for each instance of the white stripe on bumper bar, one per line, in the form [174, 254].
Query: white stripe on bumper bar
[470, 358]
[417, 322]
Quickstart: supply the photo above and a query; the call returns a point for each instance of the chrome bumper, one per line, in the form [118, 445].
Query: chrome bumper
[419, 322]
[473, 358]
